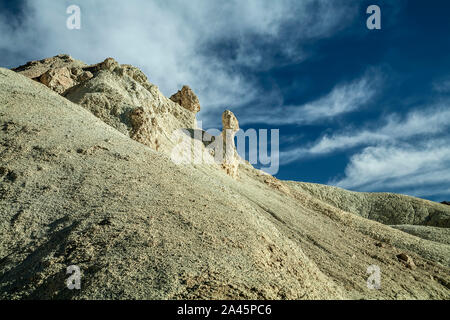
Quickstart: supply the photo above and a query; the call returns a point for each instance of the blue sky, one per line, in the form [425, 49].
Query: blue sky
[367, 110]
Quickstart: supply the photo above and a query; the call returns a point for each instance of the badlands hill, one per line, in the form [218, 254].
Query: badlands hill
[87, 178]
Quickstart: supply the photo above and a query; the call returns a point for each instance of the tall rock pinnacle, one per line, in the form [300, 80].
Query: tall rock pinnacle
[187, 99]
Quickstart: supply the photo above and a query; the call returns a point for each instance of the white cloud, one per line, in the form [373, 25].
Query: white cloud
[418, 124]
[416, 170]
[168, 40]
[432, 120]
[442, 86]
[409, 154]
[344, 98]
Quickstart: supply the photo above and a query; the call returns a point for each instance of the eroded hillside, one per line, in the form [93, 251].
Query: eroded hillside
[78, 186]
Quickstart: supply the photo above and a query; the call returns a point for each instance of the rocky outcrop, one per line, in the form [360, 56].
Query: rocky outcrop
[58, 80]
[145, 129]
[120, 95]
[62, 79]
[59, 73]
[230, 126]
[276, 184]
[35, 69]
[109, 64]
[406, 260]
[229, 121]
[446, 203]
[187, 99]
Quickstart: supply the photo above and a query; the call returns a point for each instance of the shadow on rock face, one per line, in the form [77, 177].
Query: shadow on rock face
[200, 135]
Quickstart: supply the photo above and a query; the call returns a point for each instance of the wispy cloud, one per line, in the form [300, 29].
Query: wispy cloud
[412, 169]
[442, 86]
[407, 154]
[344, 98]
[421, 124]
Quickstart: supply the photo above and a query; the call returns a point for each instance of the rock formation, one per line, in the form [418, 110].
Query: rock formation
[407, 260]
[120, 95]
[58, 80]
[35, 69]
[145, 129]
[187, 99]
[59, 73]
[62, 79]
[230, 122]
[230, 126]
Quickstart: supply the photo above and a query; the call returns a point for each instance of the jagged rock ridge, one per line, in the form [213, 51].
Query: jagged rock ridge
[122, 96]
[187, 99]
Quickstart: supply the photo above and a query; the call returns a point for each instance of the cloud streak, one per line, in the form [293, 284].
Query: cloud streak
[422, 123]
[343, 99]
[416, 170]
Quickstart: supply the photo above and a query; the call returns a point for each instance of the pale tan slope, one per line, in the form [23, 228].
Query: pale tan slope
[387, 208]
[343, 244]
[75, 191]
[436, 234]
